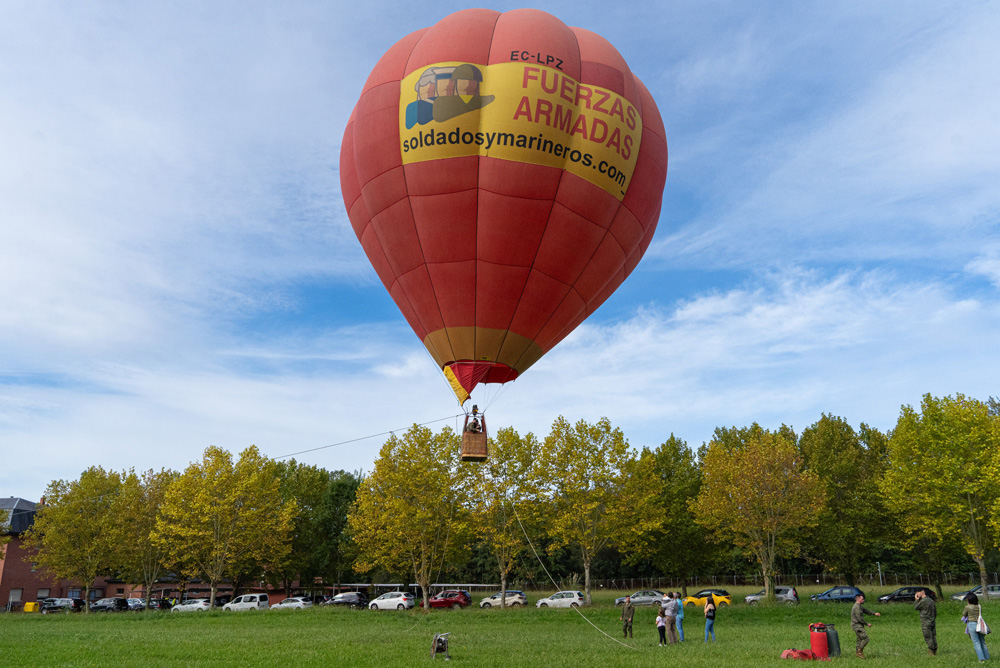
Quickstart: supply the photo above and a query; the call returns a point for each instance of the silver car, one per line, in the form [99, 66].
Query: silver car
[644, 597]
[992, 591]
[786, 595]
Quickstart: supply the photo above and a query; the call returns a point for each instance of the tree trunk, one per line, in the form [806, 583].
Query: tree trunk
[586, 579]
[937, 586]
[984, 596]
[211, 601]
[86, 599]
[503, 590]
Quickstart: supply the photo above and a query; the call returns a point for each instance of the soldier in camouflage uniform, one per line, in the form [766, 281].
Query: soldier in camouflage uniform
[628, 613]
[928, 619]
[859, 624]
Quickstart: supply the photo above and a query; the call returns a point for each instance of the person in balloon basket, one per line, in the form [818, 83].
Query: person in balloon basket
[628, 614]
[928, 619]
[474, 425]
[973, 611]
[859, 625]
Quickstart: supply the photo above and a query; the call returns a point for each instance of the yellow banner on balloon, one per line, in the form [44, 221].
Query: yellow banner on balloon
[520, 112]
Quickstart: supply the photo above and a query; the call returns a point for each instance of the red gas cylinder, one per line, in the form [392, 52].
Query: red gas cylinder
[817, 641]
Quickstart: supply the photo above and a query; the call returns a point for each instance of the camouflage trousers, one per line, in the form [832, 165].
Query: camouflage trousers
[930, 635]
[862, 634]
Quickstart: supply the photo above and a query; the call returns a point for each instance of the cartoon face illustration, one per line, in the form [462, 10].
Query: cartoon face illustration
[446, 92]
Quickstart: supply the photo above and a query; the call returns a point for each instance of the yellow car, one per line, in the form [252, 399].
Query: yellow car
[720, 596]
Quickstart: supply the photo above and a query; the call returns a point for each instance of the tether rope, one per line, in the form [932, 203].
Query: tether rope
[577, 608]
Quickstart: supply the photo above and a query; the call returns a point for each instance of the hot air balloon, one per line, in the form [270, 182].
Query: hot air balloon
[504, 174]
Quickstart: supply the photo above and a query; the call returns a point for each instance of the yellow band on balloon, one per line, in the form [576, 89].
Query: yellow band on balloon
[520, 112]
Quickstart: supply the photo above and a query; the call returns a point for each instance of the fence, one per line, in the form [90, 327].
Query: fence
[884, 579]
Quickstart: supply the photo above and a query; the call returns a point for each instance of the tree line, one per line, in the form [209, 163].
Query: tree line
[924, 496]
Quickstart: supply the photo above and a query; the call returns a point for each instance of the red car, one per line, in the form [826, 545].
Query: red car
[451, 598]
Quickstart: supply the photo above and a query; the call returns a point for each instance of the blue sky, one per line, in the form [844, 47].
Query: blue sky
[177, 269]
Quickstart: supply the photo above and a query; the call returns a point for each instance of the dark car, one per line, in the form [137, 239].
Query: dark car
[159, 604]
[52, 605]
[109, 605]
[906, 595]
[451, 598]
[838, 595]
[355, 600]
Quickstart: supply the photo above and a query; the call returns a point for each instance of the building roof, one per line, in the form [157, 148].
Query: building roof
[22, 514]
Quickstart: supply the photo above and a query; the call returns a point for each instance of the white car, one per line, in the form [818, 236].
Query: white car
[192, 605]
[562, 599]
[293, 603]
[514, 598]
[394, 600]
[248, 602]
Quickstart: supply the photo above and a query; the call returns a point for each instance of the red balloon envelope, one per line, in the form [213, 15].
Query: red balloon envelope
[504, 174]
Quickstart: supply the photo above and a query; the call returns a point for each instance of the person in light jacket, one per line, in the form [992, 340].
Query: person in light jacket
[971, 616]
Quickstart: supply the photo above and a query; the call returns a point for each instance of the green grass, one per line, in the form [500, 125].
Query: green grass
[747, 636]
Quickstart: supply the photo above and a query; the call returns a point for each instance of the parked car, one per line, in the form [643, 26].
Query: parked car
[159, 604]
[838, 595]
[293, 603]
[786, 595]
[906, 595]
[394, 600]
[719, 597]
[562, 599]
[355, 600]
[248, 602]
[514, 598]
[192, 605]
[136, 604]
[992, 591]
[109, 605]
[644, 597]
[450, 598]
[53, 605]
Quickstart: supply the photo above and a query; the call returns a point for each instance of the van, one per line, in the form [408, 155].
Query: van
[248, 602]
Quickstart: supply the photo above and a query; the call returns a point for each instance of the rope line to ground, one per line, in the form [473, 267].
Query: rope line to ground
[363, 438]
[578, 611]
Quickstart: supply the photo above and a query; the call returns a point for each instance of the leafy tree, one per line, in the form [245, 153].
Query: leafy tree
[411, 512]
[757, 493]
[338, 550]
[853, 525]
[305, 485]
[217, 516]
[675, 544]
[72, 531]
[138, 557]
[942, 477]
[503, 493]
[595, 490]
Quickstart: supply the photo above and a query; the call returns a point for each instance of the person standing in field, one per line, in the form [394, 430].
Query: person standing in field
[971, 616]
[628, 614]
[661, 626]
[670, 613]
[928, 619]
[859, 624]
[680, 615]
[710, 618]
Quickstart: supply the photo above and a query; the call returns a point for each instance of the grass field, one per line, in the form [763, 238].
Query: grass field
[747, 636]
